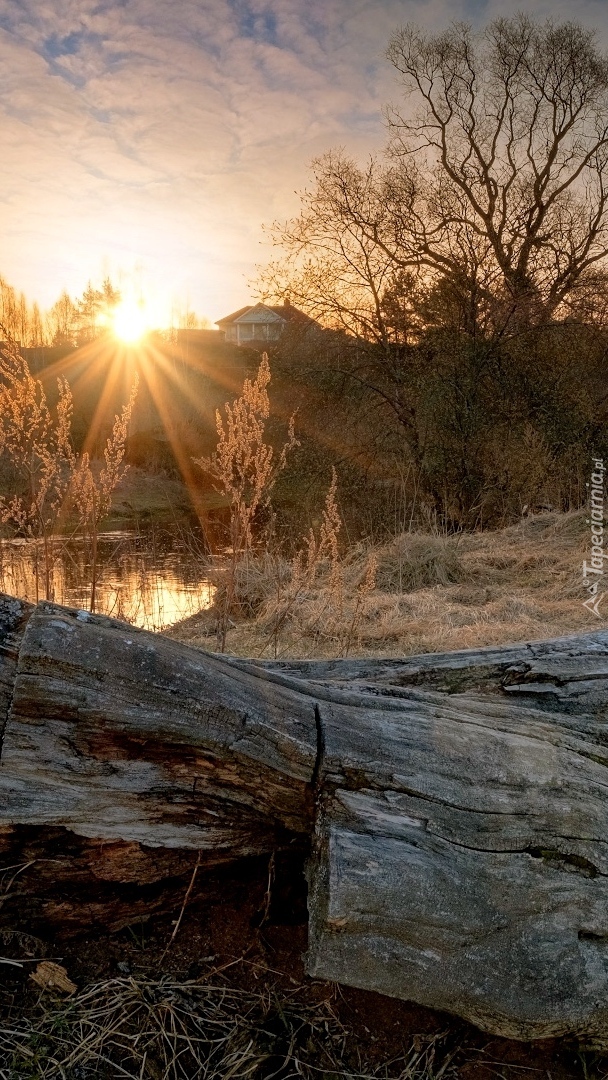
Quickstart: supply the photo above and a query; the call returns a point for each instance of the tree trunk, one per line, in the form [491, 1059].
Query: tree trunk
[457, 803]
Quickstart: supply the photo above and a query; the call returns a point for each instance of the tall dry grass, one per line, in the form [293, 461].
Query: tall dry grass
[90, 491]
[36, 448]
[244, 469]
[51, 483]
[431, 593]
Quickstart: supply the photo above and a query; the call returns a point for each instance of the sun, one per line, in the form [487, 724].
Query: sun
[129, 322]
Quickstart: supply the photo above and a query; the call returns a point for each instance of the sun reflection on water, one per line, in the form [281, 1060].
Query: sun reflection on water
[148, 580]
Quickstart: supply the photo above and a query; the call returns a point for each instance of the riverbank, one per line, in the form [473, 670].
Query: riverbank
[148, 498]
[140, 498]
[432, 593]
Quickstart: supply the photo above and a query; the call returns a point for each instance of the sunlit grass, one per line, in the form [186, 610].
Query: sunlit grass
[433, 593]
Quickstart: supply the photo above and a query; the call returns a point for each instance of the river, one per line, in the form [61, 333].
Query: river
[151, 578]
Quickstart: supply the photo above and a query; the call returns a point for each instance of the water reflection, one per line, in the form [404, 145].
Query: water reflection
[150, 578]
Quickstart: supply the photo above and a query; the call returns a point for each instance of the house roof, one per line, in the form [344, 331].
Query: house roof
[265, 313]
[232, 318]
[260, 313]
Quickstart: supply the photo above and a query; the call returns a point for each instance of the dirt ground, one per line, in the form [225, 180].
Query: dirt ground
[239, 941]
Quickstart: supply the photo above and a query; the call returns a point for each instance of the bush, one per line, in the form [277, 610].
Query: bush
[415, 561]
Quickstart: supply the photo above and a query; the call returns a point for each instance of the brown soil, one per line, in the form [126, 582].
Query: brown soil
[237, 934]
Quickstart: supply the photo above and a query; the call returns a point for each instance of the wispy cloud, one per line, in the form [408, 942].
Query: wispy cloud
[164, 135]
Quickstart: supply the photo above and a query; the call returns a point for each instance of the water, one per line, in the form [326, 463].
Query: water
[151, 578]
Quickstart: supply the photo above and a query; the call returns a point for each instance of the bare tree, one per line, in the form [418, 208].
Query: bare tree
[37, 332]
[494, 186]
[20, 322]
[335, 261]
[513, 126]
[61, 320]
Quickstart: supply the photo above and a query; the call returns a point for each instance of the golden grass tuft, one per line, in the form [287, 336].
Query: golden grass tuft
[415, 560]
[432, 593]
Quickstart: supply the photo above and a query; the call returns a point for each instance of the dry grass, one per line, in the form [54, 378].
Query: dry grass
[244, 469]
[432, 593]
[180, 1030]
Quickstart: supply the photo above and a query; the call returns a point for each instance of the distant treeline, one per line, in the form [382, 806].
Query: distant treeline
[443, 433]
[71, 320]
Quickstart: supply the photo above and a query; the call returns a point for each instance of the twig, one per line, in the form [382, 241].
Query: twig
[181, 914]
[268, 894]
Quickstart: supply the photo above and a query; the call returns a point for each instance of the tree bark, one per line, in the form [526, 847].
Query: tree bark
[457, 803]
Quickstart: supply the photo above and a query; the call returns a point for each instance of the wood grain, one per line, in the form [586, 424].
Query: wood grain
[457, 803]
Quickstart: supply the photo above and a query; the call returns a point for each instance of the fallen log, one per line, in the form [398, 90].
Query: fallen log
[457, 803]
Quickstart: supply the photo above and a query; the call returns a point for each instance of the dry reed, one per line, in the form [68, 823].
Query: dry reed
[244, 468]
[51, 479]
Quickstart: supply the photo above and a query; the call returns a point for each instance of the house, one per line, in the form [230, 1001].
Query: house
[258, 324]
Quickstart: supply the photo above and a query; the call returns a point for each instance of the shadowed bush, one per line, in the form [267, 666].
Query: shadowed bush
[415, 561]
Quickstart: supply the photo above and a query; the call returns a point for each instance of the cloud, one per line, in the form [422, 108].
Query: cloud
[165, 135]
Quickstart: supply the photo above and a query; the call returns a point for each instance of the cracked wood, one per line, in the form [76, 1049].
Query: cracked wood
[457, 803]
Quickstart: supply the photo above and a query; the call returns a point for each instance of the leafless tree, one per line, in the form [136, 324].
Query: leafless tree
[514, 125]
[61, 321]
[493, 189]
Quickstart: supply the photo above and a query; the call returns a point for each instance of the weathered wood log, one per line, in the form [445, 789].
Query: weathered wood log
[120, 744]
[458, 803]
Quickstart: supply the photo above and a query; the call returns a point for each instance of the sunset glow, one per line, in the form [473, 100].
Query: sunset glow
[129, 321]
[152, 152]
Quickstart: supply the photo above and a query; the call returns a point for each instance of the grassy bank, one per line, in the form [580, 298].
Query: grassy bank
[141, 498]
[431, 593]
[148, 498]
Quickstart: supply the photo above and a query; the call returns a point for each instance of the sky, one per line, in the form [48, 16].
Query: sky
[150, 140]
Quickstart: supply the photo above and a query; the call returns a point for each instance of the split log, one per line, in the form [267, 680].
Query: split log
[458, 803]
